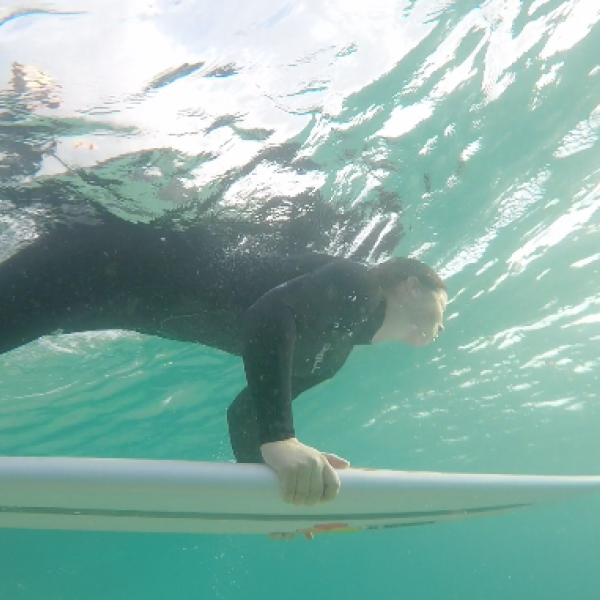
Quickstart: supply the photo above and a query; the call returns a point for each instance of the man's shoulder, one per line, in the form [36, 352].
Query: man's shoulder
[333, 279]
[344, 278]
[346, 269]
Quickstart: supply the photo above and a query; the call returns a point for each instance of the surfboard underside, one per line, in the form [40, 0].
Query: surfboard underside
[194, 497]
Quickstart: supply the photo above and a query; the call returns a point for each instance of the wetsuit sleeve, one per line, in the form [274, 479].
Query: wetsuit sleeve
[243, 423]
[269, 337]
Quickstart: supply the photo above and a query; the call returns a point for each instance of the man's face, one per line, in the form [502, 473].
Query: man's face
[426, 314]
[420, 314]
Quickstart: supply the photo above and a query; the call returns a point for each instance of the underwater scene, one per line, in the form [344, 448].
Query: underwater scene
[459, 133]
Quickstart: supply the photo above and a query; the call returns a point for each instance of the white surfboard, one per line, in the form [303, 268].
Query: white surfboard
[199, 497]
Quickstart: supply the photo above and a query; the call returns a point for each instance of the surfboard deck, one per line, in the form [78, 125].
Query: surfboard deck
[97, 494]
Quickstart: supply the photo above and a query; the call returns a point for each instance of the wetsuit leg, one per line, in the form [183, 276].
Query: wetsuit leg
[71, 278]
[115, 275]
[38, 288]
[243, 425]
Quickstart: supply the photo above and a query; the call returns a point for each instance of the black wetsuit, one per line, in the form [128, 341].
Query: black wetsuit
[294, 320]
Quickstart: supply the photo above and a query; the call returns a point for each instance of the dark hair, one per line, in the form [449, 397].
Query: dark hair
[395, 270]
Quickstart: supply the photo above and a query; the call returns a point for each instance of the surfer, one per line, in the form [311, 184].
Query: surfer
[293, 320]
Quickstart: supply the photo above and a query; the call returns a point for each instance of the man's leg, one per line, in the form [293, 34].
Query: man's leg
[31, 283]
[72, 278]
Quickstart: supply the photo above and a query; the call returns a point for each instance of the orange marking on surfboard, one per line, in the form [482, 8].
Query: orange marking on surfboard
[329, 528]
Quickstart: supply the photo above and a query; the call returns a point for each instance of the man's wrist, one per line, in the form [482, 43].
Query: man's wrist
[287, 439]
[275, 435]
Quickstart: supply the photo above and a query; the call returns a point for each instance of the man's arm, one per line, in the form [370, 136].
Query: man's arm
[269, 338]
[340, 295]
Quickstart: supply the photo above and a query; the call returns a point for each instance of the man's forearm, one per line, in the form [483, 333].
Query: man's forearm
[243, 429]
[269, 339]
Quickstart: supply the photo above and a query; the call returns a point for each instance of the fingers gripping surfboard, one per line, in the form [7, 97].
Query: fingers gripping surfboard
[200, 497]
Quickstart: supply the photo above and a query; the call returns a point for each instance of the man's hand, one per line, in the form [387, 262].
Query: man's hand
[306, 475]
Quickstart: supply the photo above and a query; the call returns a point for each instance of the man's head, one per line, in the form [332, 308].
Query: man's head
[415, 301]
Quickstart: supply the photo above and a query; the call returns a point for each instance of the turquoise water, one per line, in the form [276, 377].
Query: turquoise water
[476, 124]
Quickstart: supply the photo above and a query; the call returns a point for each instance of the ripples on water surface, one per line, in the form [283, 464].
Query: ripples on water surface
[461, 133]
